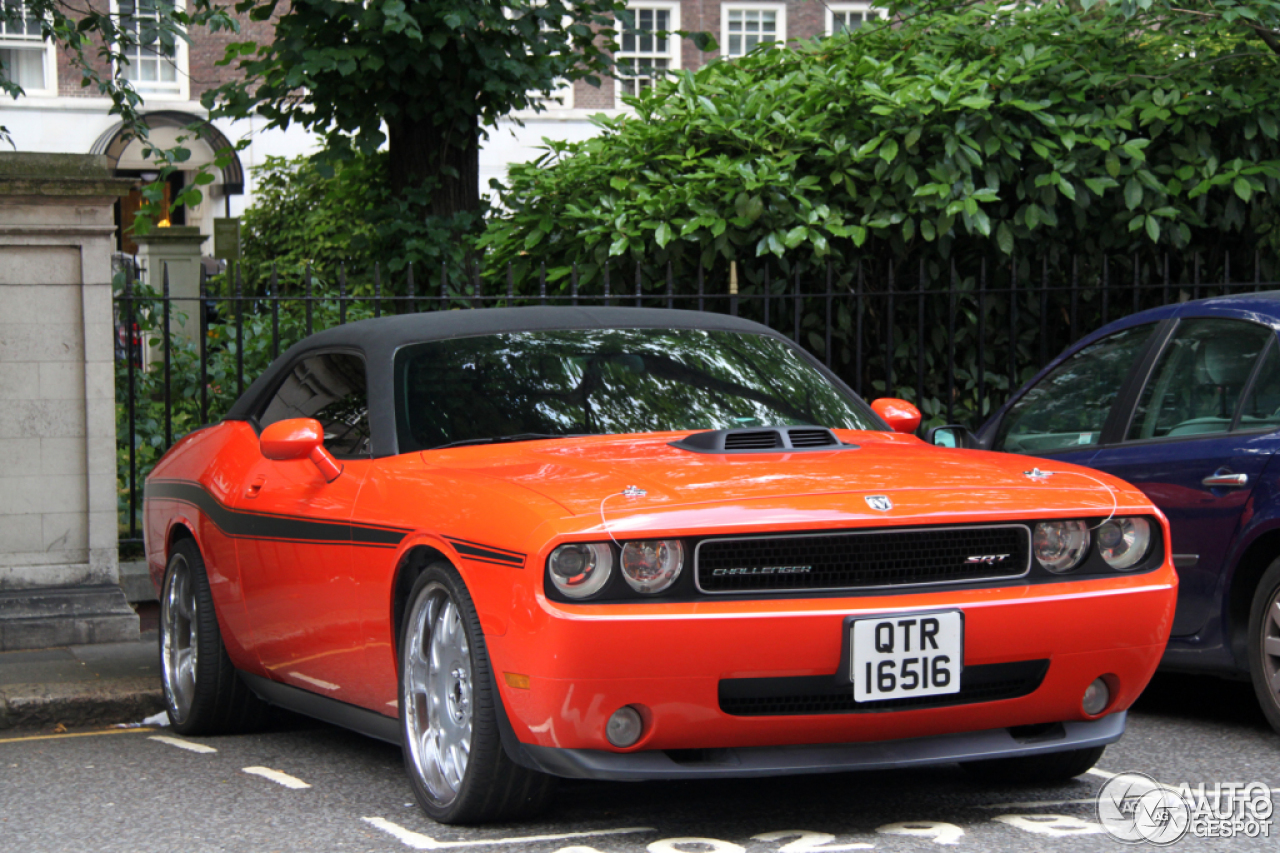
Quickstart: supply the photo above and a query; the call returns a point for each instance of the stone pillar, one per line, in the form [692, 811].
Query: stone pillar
[177, 247]
[59, 577]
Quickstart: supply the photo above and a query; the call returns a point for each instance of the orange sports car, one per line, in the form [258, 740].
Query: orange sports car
[620, 543]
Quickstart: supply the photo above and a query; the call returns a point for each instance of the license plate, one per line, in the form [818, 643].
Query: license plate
[898, 656]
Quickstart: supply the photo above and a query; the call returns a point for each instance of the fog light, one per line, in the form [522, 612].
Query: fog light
[624, 727]
[1097, 696]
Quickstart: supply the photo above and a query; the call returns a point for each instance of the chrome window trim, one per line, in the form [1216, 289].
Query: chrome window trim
[697, 553]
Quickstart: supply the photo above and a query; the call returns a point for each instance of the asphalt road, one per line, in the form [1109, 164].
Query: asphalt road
[129, 791]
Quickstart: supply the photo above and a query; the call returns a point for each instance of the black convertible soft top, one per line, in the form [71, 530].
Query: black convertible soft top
[378, 340]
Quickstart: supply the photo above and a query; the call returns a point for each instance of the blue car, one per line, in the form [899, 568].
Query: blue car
[1184, 402]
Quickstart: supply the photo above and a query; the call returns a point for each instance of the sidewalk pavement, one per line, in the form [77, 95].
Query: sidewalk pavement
[81, 685]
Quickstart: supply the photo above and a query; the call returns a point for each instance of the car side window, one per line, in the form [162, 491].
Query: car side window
[1199, 379]
[1068, 408]
[1261, 409]
[331, 388]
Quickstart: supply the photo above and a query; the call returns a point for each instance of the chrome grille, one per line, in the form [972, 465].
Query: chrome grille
[837, 560]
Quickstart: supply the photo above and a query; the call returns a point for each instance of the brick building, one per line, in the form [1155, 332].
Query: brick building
[59, 116]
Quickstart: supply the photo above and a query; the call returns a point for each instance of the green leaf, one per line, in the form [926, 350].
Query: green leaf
[796, 236]
[1153, 228]
[1132, 193]
[1004, 237]
[663, 235]
[1242, 188]
[888, 150]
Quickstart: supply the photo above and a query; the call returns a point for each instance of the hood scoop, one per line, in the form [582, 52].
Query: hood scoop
[763, 440]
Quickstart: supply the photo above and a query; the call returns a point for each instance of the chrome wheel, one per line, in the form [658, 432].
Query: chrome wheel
[1269, 638]
[179, 637]
[437, 693]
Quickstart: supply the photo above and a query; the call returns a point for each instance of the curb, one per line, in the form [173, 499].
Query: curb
[26, 706]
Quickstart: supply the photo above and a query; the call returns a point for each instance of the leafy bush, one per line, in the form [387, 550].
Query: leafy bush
[1020, 127]
[309, 213]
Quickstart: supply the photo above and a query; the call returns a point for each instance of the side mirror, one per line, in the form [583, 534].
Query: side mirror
[299, 438]
[899, 414]
[951, 435]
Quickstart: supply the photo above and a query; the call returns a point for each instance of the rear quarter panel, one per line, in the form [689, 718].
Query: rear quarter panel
[217, 458]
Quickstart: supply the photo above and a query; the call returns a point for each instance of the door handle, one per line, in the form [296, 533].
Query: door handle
[255, 487]
[1226, 481]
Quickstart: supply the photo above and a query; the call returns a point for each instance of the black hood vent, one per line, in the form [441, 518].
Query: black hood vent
[769, 440]
[754, 439]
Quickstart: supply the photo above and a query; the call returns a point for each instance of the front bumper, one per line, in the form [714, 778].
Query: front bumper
[581, 663]
[822, 758]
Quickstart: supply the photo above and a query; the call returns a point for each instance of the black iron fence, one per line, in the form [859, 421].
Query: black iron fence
[954, 337]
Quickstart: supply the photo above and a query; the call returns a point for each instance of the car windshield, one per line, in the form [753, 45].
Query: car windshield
[555, 383]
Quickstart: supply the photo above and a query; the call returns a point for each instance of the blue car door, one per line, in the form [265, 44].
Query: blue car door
[1196, 441]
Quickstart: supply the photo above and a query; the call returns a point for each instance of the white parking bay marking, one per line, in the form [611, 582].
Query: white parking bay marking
[277, 777]
[183, 744]
[418, 841]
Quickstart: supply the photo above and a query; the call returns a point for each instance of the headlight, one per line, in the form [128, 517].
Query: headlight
[1060, 546]
[652, 566]
[580, 570]
[1122, 542]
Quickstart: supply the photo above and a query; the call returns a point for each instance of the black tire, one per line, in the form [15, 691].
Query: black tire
[203, 693]
[1048, 769]
[439, 701]
[1264, 643]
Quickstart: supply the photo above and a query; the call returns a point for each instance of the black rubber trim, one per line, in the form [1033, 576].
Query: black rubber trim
[366, 722]
[239, 524]
[823, 694]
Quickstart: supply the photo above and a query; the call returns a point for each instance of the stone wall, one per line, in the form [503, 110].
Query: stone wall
[57, 398]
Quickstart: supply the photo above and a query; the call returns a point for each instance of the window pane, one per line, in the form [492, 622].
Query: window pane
[1261, 408]
[1198, 380]
[24, 66]
[1069, 406]
[331, 389]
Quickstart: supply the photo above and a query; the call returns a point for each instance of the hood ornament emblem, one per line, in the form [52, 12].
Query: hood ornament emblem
[634, 492]
[880, 503]
[1037, 474]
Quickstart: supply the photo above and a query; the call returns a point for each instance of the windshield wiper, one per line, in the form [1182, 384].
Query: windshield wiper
[503, 439]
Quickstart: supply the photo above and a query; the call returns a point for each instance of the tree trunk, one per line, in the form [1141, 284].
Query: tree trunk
[420, 152]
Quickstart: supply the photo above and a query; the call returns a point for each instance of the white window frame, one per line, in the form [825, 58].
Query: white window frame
[864, 7]
[180, 89]
[671, 54]
[779, 10]
[28, 42]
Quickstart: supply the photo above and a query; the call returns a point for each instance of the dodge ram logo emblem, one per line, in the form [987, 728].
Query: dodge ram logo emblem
[880, 503]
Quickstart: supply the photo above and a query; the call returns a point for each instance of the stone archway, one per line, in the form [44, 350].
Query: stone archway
[124, 156]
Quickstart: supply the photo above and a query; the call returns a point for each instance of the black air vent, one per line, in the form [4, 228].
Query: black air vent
[770, 440]
[759, 439]
[812, 438]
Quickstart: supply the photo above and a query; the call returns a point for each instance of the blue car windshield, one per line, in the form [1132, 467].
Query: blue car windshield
[611, 381]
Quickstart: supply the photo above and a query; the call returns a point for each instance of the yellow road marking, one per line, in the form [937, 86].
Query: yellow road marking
[77, 734]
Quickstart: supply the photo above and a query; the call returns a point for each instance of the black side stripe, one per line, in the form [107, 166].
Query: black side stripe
[250, 525]
[486, 553]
